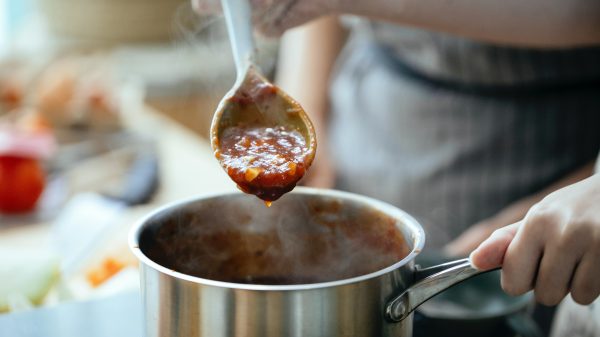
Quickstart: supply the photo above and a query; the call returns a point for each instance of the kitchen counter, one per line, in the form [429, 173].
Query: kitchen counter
[186, 168]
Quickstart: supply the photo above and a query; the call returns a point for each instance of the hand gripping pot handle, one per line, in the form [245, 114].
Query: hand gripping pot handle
[430, 282]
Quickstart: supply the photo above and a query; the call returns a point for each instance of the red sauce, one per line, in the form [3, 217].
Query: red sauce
[319, 240]
[262, 143]
[263, 161]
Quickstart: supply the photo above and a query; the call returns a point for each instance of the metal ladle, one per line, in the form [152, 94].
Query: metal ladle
[279, 110]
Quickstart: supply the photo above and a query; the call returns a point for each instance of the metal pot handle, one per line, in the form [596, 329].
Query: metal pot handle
[430, 282]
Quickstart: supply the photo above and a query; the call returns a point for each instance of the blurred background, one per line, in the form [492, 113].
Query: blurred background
[104, 110]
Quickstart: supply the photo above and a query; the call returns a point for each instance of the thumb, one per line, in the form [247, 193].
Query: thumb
[490, 253]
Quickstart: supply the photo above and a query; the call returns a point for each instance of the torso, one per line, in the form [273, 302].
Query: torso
[452, 131]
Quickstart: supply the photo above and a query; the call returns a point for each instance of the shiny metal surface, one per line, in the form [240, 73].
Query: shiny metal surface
[174, 307]
[435, 280]
[179, 305]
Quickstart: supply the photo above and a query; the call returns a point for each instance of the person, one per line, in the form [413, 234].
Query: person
[479, 118]
[554, 250]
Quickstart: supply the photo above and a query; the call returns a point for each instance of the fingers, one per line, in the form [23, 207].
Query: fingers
[585, 287]
[273, 18]
[568, 255]
[554, 274]
[490, 254]
[268, 16]
[521, 261]
[469, 240]
[556, 248]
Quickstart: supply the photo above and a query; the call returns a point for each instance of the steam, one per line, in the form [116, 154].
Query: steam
[297, 240]
[300, 239]
[200, 64]
[207, 36]
[203, 39]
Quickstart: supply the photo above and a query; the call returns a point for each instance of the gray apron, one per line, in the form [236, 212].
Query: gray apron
[451, 130]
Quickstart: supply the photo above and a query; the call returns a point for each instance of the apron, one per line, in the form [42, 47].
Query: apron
[452, 131]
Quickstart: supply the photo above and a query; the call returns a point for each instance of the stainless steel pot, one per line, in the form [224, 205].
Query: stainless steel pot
[221, 266]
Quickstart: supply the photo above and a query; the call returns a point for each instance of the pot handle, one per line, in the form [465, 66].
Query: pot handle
[429, 282]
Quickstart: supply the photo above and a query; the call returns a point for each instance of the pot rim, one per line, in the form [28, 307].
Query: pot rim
[418, 238]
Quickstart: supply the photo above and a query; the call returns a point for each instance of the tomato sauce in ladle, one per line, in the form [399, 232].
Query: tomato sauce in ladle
[263, 139]
[261, 136]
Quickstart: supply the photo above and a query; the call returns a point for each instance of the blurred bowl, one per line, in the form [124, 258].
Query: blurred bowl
[111, 21]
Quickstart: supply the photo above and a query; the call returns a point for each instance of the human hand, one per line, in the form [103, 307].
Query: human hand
[273, 17]
[476, 234]
[554, 250]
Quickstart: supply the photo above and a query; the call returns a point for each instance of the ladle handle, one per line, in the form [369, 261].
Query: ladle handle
[238, 17]
[430, 282]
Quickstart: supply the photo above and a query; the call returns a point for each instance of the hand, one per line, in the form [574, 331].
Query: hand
[273, 17]
[554, 250]
[471, 238]
[476, 234]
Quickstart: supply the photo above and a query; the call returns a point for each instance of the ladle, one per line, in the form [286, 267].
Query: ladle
[252, 104]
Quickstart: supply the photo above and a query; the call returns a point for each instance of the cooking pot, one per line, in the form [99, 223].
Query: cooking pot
[317, 263]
